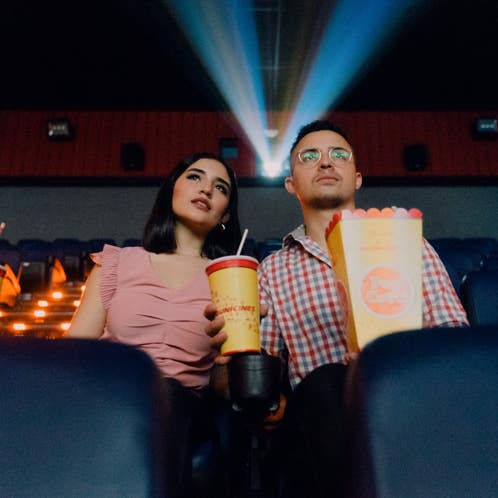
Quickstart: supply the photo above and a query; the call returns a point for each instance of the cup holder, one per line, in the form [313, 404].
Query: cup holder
[254, 382]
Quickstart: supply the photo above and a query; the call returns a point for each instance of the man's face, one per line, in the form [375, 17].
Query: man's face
[327, 183]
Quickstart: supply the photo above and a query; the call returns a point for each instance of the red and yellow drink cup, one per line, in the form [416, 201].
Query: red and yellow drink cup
[377, 260]
[233, 281]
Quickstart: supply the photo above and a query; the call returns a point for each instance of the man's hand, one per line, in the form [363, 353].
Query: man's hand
[350, 357]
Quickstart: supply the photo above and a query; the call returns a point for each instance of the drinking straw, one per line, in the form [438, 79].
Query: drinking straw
[241, 245]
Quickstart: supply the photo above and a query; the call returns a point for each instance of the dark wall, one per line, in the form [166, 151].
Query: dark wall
[268, 212]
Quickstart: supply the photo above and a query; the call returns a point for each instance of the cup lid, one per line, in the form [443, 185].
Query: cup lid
[233, 261]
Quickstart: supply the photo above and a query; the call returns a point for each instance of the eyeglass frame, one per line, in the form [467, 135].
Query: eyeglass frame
[342, 164]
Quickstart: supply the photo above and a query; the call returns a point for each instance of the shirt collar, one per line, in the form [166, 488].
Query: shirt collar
[298, 236]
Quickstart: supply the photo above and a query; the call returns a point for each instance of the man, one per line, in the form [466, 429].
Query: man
[305, 324]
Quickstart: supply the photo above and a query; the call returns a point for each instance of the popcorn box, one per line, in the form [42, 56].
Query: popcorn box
[377, 259]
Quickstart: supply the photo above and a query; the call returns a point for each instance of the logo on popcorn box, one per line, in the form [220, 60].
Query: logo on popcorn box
[387, 291]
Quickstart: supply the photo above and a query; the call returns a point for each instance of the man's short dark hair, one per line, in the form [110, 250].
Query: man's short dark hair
[318, 125]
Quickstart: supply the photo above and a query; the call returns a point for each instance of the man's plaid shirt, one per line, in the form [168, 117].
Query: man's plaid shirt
[305, 323]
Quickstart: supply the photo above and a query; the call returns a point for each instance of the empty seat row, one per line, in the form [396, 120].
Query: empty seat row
[487, 246]
[479, 295]
[463, 256]
[71, 252]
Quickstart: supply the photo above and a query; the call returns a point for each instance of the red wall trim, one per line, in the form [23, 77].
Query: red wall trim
[377, 138]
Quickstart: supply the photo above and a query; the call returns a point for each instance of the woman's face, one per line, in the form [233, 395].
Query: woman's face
[201, 195]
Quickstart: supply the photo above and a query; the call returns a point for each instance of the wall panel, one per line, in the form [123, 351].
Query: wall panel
[378, 139]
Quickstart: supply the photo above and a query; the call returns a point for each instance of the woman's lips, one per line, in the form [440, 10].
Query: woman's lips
[202, 204]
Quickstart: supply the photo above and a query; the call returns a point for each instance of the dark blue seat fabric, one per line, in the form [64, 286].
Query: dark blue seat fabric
[36, 250]
[79, 419]
[37, 259]
[479, 293]
[491, 263]
[485, 245]
[132, 243]
[459, 262]
[71, 253]
[250, 248]
[11, 256]
[35, 276]
[268, 247]
[445, 243]
[423, 407]
[69, 247]
[96, 245]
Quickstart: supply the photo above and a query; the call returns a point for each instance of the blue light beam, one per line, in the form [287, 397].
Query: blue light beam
[355, 32]
[223, 34]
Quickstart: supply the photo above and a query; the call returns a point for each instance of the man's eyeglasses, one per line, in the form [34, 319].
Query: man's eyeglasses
[338, 155]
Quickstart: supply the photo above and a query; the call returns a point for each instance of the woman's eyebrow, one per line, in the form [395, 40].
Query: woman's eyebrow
[218, 178]
[221, 180]
[197, 170]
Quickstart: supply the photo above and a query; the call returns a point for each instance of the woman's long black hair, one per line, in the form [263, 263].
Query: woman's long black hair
[159, 232]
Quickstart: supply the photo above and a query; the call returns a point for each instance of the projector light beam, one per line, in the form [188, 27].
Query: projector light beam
[223, 34]
[356, 30]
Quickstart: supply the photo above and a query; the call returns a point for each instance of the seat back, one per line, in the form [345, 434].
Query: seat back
[491, 263]
[79, 418]
[423, 407]
[460, 262]
[36, 250]
[269, 246]
[10, 255]
[133, 242]
[97, 245]
[35, 276]
[71, 253]
[479, 293]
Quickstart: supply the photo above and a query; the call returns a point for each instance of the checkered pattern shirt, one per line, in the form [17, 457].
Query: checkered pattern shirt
[305, 323]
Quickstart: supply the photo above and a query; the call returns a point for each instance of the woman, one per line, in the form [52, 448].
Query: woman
[153, 297]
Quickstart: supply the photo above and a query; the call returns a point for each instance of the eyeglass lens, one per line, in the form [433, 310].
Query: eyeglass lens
[311, 156]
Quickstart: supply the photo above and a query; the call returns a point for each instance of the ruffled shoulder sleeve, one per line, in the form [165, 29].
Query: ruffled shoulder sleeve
[108, 259]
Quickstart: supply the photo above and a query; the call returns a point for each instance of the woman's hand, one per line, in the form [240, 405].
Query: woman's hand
[216, 323]
[213, 330]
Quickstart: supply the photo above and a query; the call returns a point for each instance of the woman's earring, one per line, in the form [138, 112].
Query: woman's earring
[223, 227]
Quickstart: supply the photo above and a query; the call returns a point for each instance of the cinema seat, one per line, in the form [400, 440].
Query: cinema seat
[423, 410]
[131, 243]
[10, 254]
[267, 247]
[79, 419]
[71, 254]
[479, 294]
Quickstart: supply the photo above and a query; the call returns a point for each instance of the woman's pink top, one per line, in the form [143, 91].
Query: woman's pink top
[168, 324]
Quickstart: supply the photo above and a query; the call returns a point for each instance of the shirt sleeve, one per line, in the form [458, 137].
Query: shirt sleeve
[108, 259]
[441, 306]
[271, 337]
